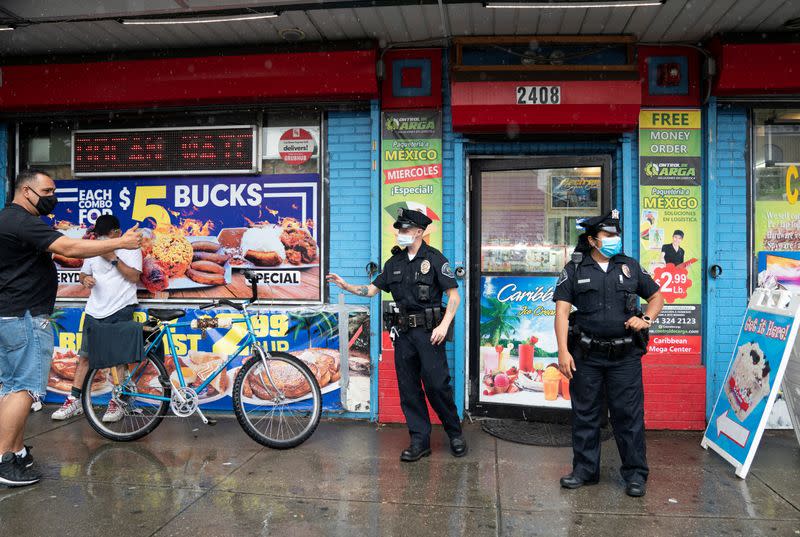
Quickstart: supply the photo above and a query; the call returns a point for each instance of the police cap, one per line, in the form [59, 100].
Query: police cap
[407, 218]
[607, 222]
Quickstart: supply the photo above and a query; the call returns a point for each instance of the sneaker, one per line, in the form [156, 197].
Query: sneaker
[27, 460]
[71, 408]
[13, 474]
[36, 406]
[113, 412]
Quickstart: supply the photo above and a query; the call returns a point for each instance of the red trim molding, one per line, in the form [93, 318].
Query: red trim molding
[586, 106]
[290, 77]
[757, 69]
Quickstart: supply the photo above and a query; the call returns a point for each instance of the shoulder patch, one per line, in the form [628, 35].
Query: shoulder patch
[562, 277]
[447, 271]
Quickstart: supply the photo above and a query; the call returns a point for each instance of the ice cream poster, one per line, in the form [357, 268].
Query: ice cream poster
[201, 232]
[518, 353]
[309, 334]
[750, 386]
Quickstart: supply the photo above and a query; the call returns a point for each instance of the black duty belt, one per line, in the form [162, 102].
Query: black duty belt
[589, 343]
[412, 320]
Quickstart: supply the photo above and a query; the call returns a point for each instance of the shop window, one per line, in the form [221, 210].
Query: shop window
[776, 223]
[529, 218]
[47, 146]
[291, 142]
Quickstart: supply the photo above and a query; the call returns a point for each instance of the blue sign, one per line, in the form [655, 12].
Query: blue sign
[750, 386]
[312, 336]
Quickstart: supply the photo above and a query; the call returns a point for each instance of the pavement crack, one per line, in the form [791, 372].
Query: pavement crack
[781, 496]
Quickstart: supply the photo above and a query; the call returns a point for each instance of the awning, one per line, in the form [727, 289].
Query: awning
[301, 76]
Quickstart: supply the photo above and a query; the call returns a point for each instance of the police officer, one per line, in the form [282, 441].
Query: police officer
[417, 275]
[600, 348]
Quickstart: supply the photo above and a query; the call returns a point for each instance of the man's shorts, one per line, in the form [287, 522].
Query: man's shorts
[26, 350]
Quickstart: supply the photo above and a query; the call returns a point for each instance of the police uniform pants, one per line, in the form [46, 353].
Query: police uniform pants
[619, 381]
[415, 359]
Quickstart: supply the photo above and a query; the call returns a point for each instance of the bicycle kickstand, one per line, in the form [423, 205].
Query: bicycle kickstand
[203, 417]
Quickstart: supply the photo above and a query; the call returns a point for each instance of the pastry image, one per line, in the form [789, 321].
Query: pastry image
[286, 378]
[196, 368]
[262, 246]
[301, 248]
[154, 277]
[748, 382]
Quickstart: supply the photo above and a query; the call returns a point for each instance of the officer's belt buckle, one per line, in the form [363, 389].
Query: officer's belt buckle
[412, 321]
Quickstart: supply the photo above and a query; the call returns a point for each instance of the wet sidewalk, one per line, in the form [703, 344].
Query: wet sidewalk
[187, 479]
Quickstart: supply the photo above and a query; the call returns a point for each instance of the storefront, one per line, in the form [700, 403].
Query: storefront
[224, 164]
[506, 153]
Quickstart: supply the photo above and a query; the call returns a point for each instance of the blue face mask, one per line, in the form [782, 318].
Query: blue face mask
[611, 246]
[405, 240]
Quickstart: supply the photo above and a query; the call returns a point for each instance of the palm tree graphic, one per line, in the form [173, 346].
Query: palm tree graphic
[499, 322]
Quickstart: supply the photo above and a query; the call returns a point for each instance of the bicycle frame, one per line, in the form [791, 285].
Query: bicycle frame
[165, 330]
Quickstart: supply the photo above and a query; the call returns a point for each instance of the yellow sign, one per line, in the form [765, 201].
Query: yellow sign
[669, 119]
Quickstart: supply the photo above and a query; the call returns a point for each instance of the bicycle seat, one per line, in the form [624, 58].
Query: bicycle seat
[166, 315]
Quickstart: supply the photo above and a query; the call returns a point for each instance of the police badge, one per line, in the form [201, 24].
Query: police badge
[425, 267]
[626, 271]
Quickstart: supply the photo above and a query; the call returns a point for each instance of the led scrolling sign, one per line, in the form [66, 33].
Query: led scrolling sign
[230, 149]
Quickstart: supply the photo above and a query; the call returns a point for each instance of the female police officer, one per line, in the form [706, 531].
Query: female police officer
[600, 350]
[417, 276]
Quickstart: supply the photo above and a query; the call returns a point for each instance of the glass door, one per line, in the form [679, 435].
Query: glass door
[525, 216]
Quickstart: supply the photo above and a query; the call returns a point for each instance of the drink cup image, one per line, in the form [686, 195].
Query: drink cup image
[551, 380]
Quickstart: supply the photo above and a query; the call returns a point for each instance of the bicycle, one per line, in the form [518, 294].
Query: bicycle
[276, 398]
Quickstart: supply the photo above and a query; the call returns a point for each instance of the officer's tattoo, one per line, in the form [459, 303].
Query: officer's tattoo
[363, 290]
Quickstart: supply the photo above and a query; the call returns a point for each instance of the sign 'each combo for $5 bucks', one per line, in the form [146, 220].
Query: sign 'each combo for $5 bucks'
[763, 350]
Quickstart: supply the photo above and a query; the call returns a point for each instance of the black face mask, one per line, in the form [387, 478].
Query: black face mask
[46, 204]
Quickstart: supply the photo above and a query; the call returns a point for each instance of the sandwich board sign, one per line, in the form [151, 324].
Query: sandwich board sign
[750, 387]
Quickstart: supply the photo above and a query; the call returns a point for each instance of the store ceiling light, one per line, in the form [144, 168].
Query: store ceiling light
[4, 28]
[199, 20]
[574, 5]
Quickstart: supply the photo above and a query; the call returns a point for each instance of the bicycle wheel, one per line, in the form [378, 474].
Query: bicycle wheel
[278, 406]
[124, 413]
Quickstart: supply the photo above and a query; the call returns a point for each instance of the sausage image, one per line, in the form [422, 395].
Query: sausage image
[263, 259]
[206, 278]
[205, 246]
[68, 262]
[219, 259]
[208, 266]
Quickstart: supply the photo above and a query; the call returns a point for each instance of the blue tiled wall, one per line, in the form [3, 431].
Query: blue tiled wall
[727, 242]
[351, 188]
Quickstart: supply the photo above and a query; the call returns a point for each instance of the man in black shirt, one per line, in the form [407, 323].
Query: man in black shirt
[673, 253]
[417, 276]
[28, 287]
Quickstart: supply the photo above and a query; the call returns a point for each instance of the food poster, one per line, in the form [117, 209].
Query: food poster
[411, 170]
[750, 386]
[309, 334]
[518, 360]
[671, 226]
[777, 225]
[201, 232]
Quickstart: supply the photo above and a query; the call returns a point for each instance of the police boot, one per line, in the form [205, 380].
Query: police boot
[414, 453]
[635, 489]
[458, 446]
[571, 481]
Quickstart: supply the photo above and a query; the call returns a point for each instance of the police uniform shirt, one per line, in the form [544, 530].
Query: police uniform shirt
[418, 283]
[600, 297]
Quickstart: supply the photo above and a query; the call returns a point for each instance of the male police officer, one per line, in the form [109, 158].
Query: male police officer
[600, 350]
[417, 276]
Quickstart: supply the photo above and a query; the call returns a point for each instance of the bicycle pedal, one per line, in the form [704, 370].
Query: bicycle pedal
[212, 422]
